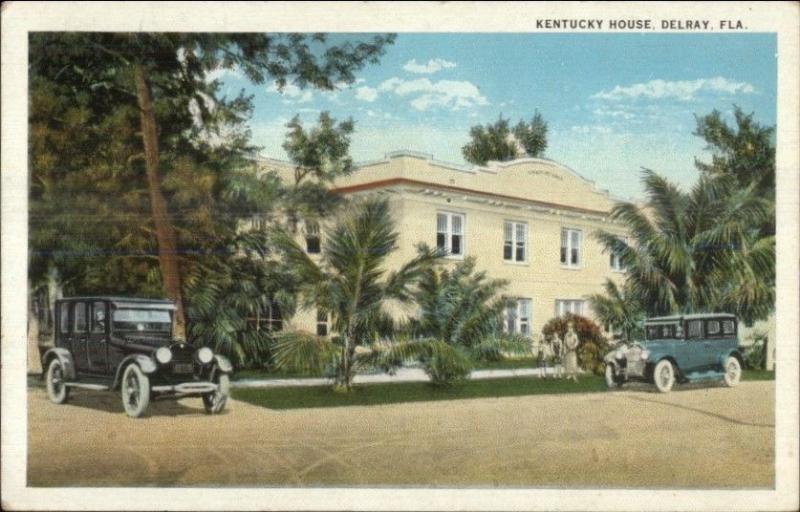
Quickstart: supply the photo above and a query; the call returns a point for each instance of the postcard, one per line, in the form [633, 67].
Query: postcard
[400, 256]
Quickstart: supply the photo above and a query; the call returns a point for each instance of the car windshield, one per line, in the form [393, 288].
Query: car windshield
[142, 320]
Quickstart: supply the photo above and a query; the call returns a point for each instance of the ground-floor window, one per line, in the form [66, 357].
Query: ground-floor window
[518, 317]
[576, 307]
[268, 318]
[323, 323]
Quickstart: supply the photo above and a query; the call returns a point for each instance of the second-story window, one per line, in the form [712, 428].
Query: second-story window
[515, 241]
[311, 232]
[322, 323]
[571, 247]
[450, 233]
[615, 261]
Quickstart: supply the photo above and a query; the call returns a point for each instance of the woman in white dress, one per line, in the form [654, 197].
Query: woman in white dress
[571, 343]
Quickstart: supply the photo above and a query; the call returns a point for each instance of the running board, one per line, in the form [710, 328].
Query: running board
[696, 377]
[81, 385]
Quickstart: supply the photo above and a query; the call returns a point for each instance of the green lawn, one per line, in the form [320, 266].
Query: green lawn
[758, 375]
[379, 394]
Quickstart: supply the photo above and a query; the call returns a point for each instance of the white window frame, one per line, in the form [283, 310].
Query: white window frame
[569, 247]
[614, 261]
[449, 234]
[323, 318]
[564, 306]
[515, 225]
[312, 229]
[520, 320]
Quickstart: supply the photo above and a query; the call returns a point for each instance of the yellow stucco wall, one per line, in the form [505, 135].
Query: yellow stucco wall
[541, 193]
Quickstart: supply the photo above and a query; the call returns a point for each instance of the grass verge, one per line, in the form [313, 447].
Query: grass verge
[382, 394]
[758, 375]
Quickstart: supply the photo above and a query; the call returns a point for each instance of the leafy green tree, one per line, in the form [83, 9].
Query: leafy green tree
[500, 143]
[745, 152]
[619, 308]
[351, 283]
[697, 251]
[162, 82]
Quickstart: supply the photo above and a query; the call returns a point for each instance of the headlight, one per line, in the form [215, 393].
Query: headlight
[645, 354]
[205, 355]
[619, 354]
[163, 355]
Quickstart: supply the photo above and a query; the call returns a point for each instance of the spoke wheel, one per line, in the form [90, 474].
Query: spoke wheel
[135, 391]
[733, 372]
[664, 376]
[215, 401]
[57, 390]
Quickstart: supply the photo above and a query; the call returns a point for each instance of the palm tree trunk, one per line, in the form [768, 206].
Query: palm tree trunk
[165, 232]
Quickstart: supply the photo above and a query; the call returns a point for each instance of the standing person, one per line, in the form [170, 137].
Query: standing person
[540, 354]
[571, 343]
[558, 347]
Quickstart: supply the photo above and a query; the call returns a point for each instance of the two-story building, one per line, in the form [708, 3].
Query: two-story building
[529, 221]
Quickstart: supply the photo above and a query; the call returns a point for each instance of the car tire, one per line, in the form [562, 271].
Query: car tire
[135, 391]
[215, 401]
[733, 372]
[612, 382]
[57, 391]
[664, 376]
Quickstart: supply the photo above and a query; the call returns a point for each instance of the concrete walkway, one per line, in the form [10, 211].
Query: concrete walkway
[402, 375]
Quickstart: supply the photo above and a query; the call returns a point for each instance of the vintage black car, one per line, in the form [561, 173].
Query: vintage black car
[127, 344]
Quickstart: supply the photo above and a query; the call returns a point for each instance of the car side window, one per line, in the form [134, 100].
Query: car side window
[64, 318]
[99, 317]
[695, 329]
[713, 329]
[79, 314]
[666, 331]
[728, 327]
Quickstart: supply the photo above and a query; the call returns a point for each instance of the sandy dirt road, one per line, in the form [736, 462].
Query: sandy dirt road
[699, 437]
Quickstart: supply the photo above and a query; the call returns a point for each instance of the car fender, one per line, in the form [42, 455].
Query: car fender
[146, 364]
[730, 353]
[64, 357]
[223, 364]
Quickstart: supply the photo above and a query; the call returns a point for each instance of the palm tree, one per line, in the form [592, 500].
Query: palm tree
[619, 308]
[351, 283]
[697, 251]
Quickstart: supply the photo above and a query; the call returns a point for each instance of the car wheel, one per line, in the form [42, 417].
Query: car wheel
[733, 372]
[664, 376]
[135, 391]
[611, 377]
[215, 401]
[57, 390]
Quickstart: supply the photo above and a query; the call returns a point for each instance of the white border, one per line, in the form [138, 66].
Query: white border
[20, 17]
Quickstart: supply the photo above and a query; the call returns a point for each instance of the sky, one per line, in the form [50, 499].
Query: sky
[614, 103]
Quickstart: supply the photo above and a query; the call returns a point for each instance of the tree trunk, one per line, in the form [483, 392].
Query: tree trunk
[165, 232]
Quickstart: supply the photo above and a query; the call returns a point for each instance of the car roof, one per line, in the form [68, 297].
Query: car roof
[127, 302]
[692, 316]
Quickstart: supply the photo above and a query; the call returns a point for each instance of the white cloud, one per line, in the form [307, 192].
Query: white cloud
[683, 90]
[590, 128]
[221, 73]
[292, 93]
[451, 94]
[613, 113]
[368, 94]
[431, 67]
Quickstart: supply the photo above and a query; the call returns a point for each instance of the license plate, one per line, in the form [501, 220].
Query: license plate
[183, 368]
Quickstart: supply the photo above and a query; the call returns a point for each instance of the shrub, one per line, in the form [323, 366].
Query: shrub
[593, 345]
[755, 355]
[446, 364]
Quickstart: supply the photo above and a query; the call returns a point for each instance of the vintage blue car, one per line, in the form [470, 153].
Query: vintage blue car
[682, 348]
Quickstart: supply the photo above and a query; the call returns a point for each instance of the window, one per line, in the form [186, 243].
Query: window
[514, 243]
[99, 317]
[518, 317]
[576, 307]
[713, 328]
[63, 319]
[615, 260]
[695, 329]
[322, 323]
[450, 233]
[311, 231]
[268, 318]
[666, 331]
[571, 247]
[728, 327]
[79, 313]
